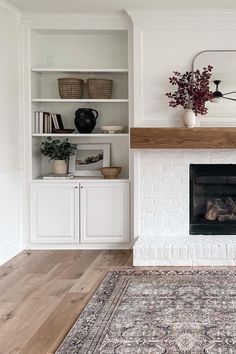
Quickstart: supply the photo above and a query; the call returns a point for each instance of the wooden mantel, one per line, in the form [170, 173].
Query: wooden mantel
[183, 138]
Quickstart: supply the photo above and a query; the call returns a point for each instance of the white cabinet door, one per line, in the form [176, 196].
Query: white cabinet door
[104, 211]
[54, 211]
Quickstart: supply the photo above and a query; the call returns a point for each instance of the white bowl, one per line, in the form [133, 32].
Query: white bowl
[112, 129]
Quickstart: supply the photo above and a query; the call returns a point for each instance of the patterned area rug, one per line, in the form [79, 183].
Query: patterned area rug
[152, 312]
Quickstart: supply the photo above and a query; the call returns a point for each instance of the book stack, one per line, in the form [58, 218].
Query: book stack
[46, 122]
[57, 176]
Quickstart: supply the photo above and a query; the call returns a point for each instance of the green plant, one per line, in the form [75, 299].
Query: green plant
[57, 149]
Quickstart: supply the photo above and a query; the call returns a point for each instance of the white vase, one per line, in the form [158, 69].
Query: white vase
[189, 118]
[59, 167]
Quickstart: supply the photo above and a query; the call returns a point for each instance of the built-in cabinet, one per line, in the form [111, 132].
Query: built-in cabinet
[54, 208]
[88, 213]
[80, 213]
[104, 212]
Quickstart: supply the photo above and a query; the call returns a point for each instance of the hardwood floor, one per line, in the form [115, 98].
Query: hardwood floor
[42, 294]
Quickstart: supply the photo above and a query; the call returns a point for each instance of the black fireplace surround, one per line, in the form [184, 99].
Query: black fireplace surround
[212, 199]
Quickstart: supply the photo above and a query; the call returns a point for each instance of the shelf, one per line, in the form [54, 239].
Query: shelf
[73, 70]
[59, 100]
[100, 135]
[81, 179]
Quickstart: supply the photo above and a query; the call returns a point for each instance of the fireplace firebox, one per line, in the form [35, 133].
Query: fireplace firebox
[212, 199]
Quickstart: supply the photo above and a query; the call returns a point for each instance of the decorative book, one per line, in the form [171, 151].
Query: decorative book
[46, 122]
[57, 176]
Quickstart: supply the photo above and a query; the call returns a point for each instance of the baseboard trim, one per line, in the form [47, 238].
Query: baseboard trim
[79, 247]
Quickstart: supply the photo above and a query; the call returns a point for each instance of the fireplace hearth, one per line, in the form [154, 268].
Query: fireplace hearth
[212, 199]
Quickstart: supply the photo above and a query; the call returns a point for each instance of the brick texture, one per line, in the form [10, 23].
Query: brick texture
[164, 211]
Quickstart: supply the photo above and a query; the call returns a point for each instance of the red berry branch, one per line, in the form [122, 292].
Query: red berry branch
[193, 90]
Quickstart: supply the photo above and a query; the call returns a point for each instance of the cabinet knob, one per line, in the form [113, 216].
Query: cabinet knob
[76, 187]
[81, 187]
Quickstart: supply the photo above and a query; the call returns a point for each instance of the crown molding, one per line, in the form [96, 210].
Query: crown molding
[139, 13]
[183, 20]
[10, 8]
[77, 21]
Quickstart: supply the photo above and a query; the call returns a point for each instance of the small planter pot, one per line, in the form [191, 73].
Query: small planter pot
[189, 118]
[59, 167]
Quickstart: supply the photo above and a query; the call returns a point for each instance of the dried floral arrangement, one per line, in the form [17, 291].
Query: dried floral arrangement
[193, 90]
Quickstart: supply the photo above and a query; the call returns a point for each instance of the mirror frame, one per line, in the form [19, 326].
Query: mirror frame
[211, 51]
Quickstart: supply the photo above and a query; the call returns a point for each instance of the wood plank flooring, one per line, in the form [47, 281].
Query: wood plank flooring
[42, 294]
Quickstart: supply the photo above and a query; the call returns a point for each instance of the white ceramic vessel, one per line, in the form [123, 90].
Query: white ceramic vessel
[59, 167]
[189, 118]
[112, 129]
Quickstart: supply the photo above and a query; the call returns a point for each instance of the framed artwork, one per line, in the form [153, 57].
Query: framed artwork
[89, 158]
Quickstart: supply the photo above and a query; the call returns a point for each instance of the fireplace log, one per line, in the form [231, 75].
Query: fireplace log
[227, 217]
[211, 213]
[231, 203]
[216, 207]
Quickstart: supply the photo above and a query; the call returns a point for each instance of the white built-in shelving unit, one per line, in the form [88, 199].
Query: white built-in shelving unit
[80, 54]
[83, 212]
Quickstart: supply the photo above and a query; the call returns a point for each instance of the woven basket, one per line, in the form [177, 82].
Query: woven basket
[70, 88]
[99, 88]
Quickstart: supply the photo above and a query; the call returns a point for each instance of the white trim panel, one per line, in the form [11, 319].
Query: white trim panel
[11, 215]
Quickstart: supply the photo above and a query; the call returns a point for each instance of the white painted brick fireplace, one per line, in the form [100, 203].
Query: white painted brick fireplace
[163, 214]
[164, 42]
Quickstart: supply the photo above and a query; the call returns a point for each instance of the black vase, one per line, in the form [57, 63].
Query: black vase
[85, 120]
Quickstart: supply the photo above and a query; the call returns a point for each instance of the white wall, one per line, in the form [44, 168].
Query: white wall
[10, 134]
[168, 41]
